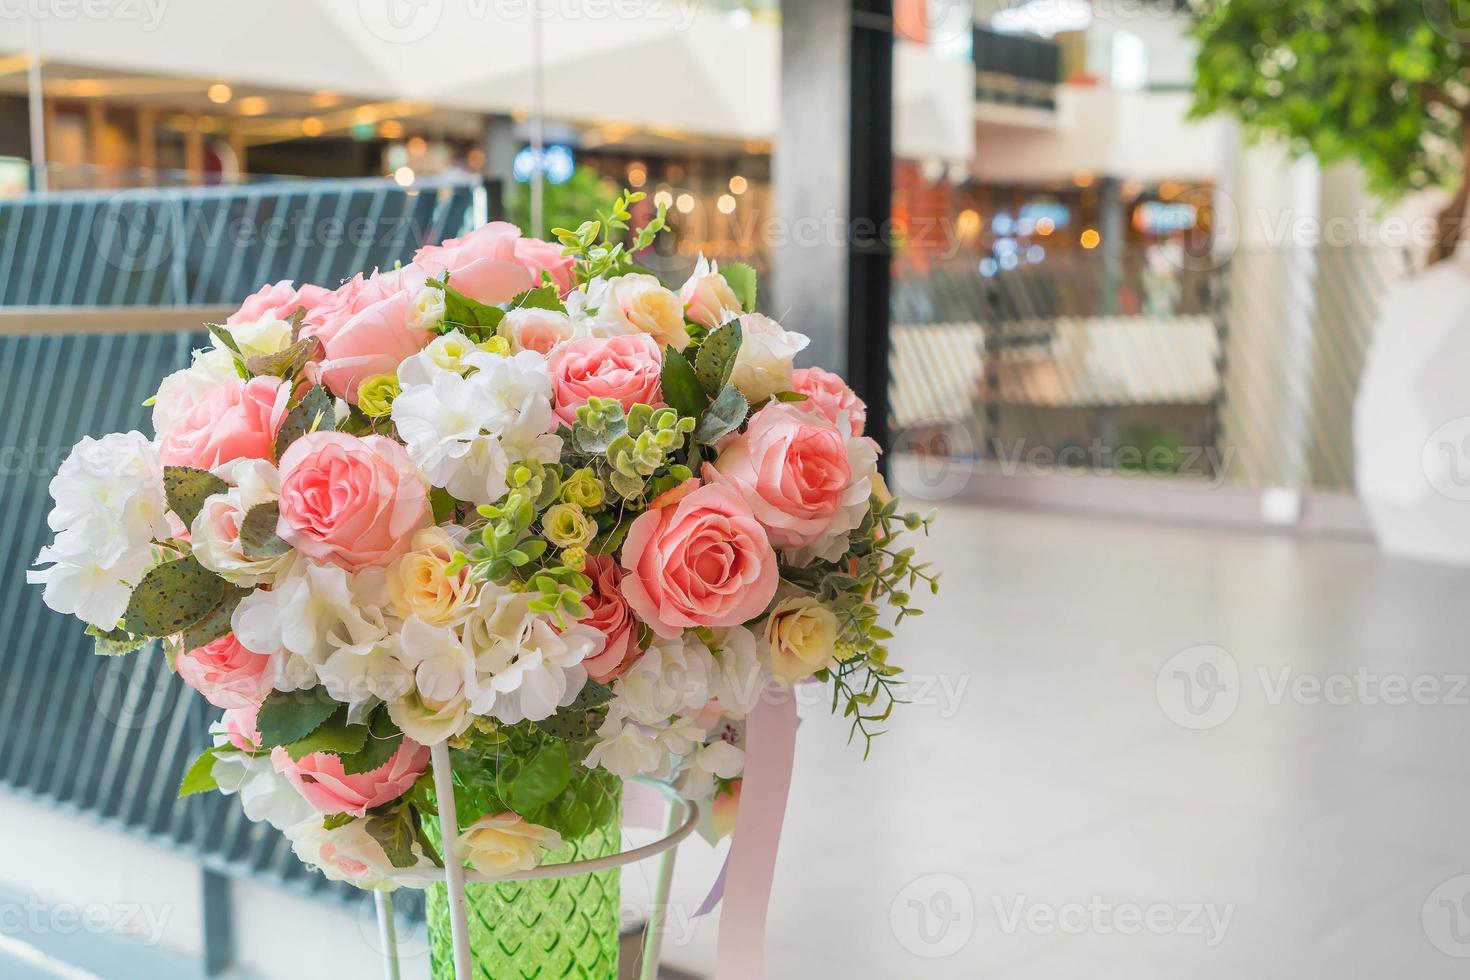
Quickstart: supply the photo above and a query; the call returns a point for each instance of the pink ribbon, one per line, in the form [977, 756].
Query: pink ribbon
[770, 750]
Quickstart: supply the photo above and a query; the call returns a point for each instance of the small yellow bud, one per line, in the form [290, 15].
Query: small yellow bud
[495, 345]
[575, 558]
[375, 395]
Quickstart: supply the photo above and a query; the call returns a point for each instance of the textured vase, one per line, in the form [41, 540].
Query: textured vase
[553, 927]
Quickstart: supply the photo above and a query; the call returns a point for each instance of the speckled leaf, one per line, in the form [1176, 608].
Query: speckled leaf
[681, 387]
[115, 643]
[285, 363]
[289, 716]
[215, 623]
[171, 596]
[187, 489]
[258, 538]
[725, 414]
[572, 726]
[716, 357]
[394, 831]
[316, 412]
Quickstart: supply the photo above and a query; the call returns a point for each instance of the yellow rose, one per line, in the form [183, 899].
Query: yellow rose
[639, 301]
[567, 527]
[501, 843]
[375, 395]
[418, 585]
[799, 638]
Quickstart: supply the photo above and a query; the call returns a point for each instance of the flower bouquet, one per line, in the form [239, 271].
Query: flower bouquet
[516, 498]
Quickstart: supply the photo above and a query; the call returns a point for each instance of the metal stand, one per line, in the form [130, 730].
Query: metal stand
[683, 818]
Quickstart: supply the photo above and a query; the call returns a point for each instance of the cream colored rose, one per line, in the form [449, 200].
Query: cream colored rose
[498, 844]
[767, 355]
[427, 311]
[708, 298]
[638, 303]
[537, 330]
[215, 534]
[799, 638]
[419, 585]
[566, 526]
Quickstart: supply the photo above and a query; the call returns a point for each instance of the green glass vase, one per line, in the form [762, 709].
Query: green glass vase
[552, 927]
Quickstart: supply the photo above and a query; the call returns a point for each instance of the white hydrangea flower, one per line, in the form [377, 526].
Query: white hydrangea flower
[627, 747]
[441, 356]
[347, 853]
[444, 681]
[673, 676]
[265, 794]
[698, 769]
[109, 508]
[740, 677]
[527, 667]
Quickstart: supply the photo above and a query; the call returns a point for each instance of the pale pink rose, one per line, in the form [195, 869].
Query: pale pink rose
[624, 368]
[240, 728]
[708, 298]
[701, 559]
[806, 481]
[227, 674]
[337, 307]
[353, 502]
[321, 781]
[235, 420]
[538, 257]
[482, 265]
[374, 340]
[827, 394]
[609, 614]
[535, 329]
[279, 300]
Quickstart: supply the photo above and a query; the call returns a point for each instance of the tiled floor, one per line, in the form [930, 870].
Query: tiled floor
[1160, 752]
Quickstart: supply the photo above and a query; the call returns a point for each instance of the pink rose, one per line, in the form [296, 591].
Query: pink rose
[321, 781]
[699, 558]
[227, 674]
[240, 728]
[829, 395]
[374, 340]
[806, 481]
[483, 265]
[279, 300]
[609, 615]
[349, 501]
[538, 257]
[625, 368]
[235, 420]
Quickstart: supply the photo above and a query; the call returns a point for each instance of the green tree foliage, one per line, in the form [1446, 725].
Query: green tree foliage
[565, 205]
[1380, 82]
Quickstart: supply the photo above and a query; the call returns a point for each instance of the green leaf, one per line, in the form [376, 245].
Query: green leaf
[395, 833]
[725, 415]
[115, 642]
[258, 537]
[215, 623]
[199, 778]
[187, 488]
[334, 820]
[460, 309]
[681, 386]
[790, 396]
[541, 779]
[383, 739]
[541, 298]
[285, 363]
[443, 504]
[716, 357]
[171, 596]
[333, 735]
[289, 716]
[742, 280]
[223, 335]
[317, 412]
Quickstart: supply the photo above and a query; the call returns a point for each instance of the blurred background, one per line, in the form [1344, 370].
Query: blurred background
[1142, 296]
